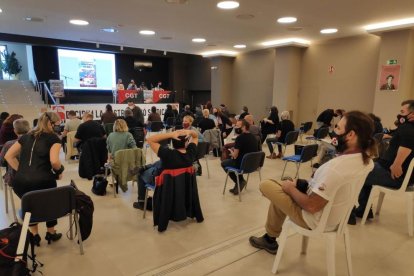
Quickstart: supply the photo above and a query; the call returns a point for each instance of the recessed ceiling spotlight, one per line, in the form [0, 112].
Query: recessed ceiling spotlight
[239, 46]
[33, 19]
[228, 5]
[287, 20]
[176, 1]
[147, 32]
[79, 22]
[198, 40]
[109, 30]
[329, 31]
[1, 10]
[245, 16]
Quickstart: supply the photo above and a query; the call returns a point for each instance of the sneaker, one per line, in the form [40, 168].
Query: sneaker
[316, 165]
[264, 242]
[352, 219]
[140, 204]
[235, 191]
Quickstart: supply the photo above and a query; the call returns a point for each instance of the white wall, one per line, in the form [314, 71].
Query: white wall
[21, 55]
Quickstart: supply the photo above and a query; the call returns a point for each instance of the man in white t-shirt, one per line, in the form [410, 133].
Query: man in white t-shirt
[343, 175]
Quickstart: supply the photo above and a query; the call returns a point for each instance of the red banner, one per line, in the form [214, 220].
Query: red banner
[144, 96]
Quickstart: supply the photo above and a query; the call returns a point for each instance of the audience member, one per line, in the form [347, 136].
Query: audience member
[136, 110]
[72, 123]
[182, 155]
[270, 124]
[131, 121]
[119, 139]
[154, 116]
[88, 129]
[390, 168]
[108, 117]
[254, 129]
[245, 143]
[244, 112]
[7, 131]
[21, 127]
[132, 85]
[186, 112]
[224, 110]
[38, 166]
[206, 123]
[283, 128]
[223, 123]
[325, 117]
[342, 174]
[3, 116]
[377, 123]
[169, 113]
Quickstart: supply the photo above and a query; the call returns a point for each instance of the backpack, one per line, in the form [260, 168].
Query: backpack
[99, 185]
[9, 241]
[85, 208]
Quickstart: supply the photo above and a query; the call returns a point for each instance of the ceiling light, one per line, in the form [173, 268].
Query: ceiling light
[145, 51]
[147, 32]
[79, 22]
[287, 20]
[228, 5]
[219, 53]
[287, 42]
[198, 40]
[165, 53]
[176, 1]
[329, 31]
[121, 48]
[109, 30]
[407, 22]
[33, 19]
[1, 10]
[239, 46]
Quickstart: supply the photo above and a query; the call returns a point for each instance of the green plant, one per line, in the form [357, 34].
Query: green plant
[9, 63]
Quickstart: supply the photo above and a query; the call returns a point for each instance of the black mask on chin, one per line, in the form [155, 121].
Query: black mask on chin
[339, 142]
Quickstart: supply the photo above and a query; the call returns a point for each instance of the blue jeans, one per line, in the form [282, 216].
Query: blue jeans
[232, 163]
[378, 176]
[147, 177]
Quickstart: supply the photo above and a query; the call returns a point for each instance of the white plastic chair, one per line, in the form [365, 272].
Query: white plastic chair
[290, 228]
[380, 191]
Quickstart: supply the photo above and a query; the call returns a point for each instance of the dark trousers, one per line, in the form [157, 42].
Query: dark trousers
[378, 176]
[270, 141]
[232, 163]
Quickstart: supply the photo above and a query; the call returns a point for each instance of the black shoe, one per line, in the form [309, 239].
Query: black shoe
[52, 237]
[37, 239]
[316, 165]
[140, 204]
[352, 219]
[242, 185]
[264, 242]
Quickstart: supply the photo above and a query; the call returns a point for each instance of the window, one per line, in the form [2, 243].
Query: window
[3, 48]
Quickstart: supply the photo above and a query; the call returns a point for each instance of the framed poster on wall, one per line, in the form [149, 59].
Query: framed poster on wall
[390, 77]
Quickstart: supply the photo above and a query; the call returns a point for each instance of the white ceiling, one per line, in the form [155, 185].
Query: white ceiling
[197, 18]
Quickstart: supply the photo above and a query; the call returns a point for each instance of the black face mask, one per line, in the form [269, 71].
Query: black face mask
[56, 129]
[238, 130]
[401, 119]
[338, 141]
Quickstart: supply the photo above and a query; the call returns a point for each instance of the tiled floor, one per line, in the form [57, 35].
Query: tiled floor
[122, 243]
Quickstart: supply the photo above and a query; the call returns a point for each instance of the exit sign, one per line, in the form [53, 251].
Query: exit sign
[391, 61]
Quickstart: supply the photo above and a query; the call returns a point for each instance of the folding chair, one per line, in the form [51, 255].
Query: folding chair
[291, 138]
[307, 154]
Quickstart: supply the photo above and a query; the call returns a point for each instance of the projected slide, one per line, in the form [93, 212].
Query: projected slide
[86, 70]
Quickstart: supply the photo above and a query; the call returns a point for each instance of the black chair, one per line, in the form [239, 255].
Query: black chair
[139, 136]
[251, 162]
[320, 134]
[378, 137]
[305, 127]
[291, 138]
[170, 122]
[202, 152]
[156, 126]
[50, 204]
[307, 154]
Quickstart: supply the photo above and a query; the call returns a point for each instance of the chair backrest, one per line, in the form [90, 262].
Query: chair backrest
[109, 128]
[252, 161]
[49, 204]
[156, 126]
[291, 137]
[307, 126]
[408, 175]
[308, 152]
[202, 149]
[322, 132]
[139, 136]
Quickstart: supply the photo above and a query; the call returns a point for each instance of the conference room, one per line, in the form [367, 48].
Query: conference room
[303, 57]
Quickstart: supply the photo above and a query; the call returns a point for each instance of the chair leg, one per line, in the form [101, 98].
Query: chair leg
[305, 242]
[113, 182]
[145, 202]
[79, 233]
[379, 204]
[348, 251]
[284, 168]
[282, 243]
[70, 226]
[297, 170]
[208, 170]
[371, 198]
[260, 174]
[6, 198]
[247, 181]
[410, 213]
[238, 186]
[225, 183]
[330, 254]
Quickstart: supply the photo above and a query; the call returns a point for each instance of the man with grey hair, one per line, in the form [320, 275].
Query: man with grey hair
[21, 127]
[282, 129]
[131, 121]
